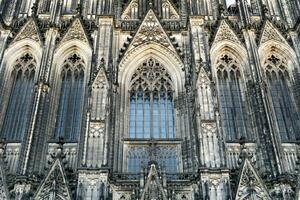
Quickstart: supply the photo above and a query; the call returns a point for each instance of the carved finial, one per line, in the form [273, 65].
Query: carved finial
[34, 9]
[102, 62]
[244, 151]
[150, 4]
[59, 152]
[79, 9]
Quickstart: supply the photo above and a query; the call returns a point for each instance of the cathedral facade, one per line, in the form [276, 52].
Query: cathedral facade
[150, 99]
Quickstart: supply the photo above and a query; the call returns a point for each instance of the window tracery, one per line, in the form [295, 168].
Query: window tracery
[232, 105]
[278, 81]
[139, 156]
[71, 98]
[20, 99]
[151, 118]
[151, 102]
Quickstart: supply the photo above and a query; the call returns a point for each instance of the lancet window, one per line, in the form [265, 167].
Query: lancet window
[20, 99]
[70, 106]
[232, 104]
[151, 102]
[278, 81]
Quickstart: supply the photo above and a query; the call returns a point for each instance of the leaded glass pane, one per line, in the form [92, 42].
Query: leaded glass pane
[20, 100]
[151, 102]
[68, 121]
[232, 105]
[284, 109]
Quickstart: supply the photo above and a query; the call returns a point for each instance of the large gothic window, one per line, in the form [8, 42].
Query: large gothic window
[278, 80]
[151, 102]
[20, 99]
[71, 98]
[232, 105]
[151, 119]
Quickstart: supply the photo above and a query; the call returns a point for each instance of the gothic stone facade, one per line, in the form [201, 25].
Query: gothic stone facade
[149, 99]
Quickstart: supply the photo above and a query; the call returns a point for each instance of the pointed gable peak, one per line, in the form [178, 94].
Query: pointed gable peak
[100, 80]
[151, 31]
[75, 32]
[153, 184]
[28, 31]
[249, 181]
[55, 184]
[131, 7]
[225, 33]
[271, 33]
[203, 78]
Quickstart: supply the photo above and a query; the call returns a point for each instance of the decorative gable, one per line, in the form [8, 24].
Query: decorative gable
[203, 78]
[131, 10]
[225, 33]
[151, 31]
[153, 188]
[250, 184]
[271, 33]
[75, 32]
[168, 6]
[29, 31]
[55, 185]
[100, 80]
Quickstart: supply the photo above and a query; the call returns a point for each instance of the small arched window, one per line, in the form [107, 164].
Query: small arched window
[151, 102]
[20, 99]
[278, 81]
[232, 105]
[70, 106]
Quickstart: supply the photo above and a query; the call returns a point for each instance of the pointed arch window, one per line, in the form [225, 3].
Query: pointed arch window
[278, 81]
[151, 102]
[71, 99]
[20, 99]
[232, 105]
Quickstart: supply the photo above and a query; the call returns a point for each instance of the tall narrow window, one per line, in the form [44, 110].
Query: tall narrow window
[20, 100]
[282, 98]
[151, 102]
[232, 106]
[71, 99]
[151, 119]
